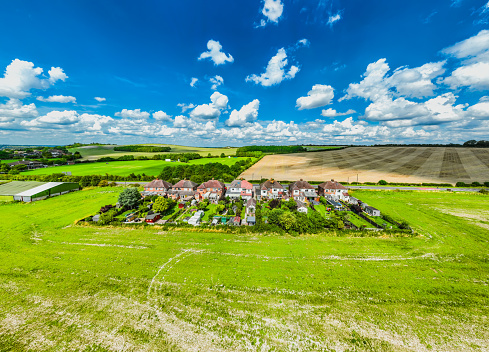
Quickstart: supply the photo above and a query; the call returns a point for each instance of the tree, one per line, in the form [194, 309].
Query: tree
[274, 216]
[287, 220]
[162, 204]
[85, 181]
[382, 182]
[275, 203]
[291, 204]
[223, 155]
[220, 208]
[107, 217]
[103, 183]
[129, 197]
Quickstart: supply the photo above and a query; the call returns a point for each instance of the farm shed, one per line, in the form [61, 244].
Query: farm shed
[14, 187]
[46, 190]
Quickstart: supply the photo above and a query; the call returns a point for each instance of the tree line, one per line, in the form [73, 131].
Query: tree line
[275, 149]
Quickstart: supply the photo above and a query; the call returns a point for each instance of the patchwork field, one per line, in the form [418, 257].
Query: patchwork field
[371, 164]
[99, 151]
[66, 287]
[125, 168]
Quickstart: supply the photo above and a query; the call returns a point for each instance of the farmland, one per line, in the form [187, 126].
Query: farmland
[79, 288]
[124, 168]
[371, 164]
[100, 151]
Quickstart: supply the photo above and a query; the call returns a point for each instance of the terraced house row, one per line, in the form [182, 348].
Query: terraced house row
[214, 190]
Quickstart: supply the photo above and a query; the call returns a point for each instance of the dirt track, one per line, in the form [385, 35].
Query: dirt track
[371, 164]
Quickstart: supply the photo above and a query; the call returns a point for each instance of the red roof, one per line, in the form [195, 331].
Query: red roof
[158, 184]
[185, 184]
[332, 185]
[212, 184]
[241, 184]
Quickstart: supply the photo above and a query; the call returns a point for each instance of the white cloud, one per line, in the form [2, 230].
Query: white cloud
[57, 74]
[205, 111]
[100, 99]
[334, 18]
[333, 113]
[319, 95]
[472, 49]
[220, 101]
[58, 99]
[181, 121]
[193, 82]
[215, 53]
[21, 76]
[275, 71]
[272, 10]
[373, 85]
[216, 81]
[161, 116]
[185, 107]
[247, 114]
[475, 76]
[416, 82]
[133, 114]
[304, 42]
[13, 108]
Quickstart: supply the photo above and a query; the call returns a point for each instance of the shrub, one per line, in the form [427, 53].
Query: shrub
[382, 182]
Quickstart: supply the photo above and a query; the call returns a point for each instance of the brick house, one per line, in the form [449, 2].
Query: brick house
[301, 190]
[240, 188]
[213, 190]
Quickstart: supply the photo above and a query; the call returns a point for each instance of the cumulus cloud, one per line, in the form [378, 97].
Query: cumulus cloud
[333, 113]
[193, 82]
[319, 95]
[334, 18]
[14, 108]
[58, 99]
[161, 116]
[213, 110]
[185, 107]
[21, 76]
[216, 81]
[215, 53]
[275, 71]
[100, 99]
[220, 101]
[272, 10]
[133, 114]
[181, 121]
[247, 114]
[474, 70]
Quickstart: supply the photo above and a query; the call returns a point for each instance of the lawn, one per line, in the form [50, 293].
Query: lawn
[75, 288]
[357, 221]
[100, 151]
[125, 168]
[6, 199]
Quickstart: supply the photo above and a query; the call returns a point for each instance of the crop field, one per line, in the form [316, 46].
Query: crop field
[371, 164]
[125, 168]
[75, 288]
[99, 151]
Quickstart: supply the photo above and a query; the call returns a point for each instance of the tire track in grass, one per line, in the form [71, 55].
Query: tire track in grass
[172, 261]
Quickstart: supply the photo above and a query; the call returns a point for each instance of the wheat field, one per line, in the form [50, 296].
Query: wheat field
[371, 164]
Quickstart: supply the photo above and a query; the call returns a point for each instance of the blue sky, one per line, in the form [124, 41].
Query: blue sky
[216, 73]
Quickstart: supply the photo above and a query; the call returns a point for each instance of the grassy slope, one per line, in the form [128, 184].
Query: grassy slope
[91, 288]
[95, 152]
[124, 168]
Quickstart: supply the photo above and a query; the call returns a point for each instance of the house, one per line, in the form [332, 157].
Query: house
[152, 218]
[372, 211]
[353, 200]
[334, 189]
[213, 190]
[250, 220]
[301, 207]
[183, 189]
[30, 164]
[271, 189]
[158, 187]
[240, 188]
[301, 190]
[251, 206]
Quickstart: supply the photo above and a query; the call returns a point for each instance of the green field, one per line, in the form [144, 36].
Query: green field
[125, 168]
[73, 288]
[100, 151]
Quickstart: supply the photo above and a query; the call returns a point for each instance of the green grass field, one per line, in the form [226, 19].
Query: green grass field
[74, 288]
[125, 168]
[100, 151]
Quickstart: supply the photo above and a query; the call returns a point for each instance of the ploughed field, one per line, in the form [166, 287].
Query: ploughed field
[73, 288]
[371, 164]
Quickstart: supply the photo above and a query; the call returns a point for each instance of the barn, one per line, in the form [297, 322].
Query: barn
[45, 190]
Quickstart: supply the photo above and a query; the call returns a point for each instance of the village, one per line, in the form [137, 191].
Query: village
[242, 203]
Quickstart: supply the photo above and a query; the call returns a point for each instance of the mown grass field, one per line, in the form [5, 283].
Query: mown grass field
[67, 287]
[125, 168]
[100, 151]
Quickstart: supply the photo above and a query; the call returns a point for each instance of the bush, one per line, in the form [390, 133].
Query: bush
[460, 184]
[382, 182]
